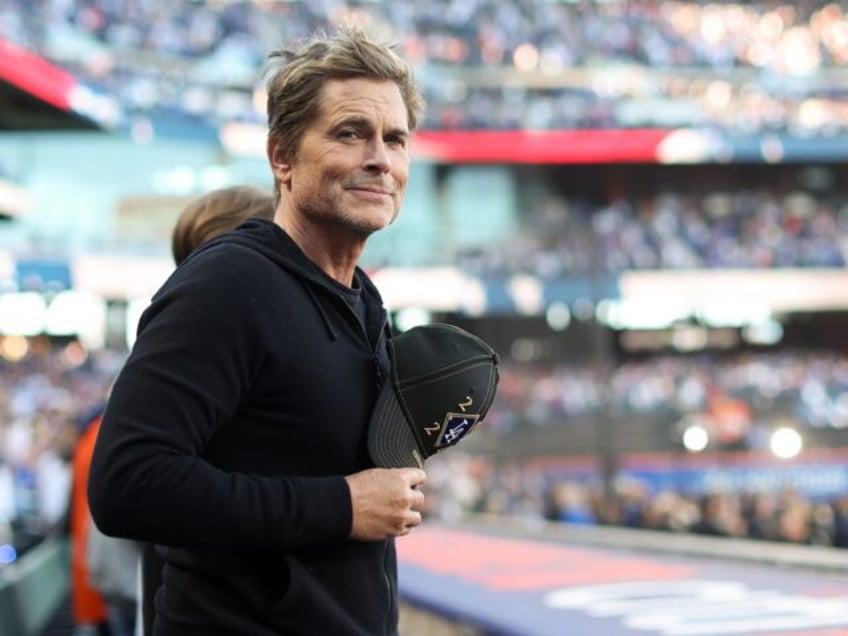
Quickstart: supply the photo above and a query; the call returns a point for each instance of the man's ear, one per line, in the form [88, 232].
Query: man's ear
[279, 161]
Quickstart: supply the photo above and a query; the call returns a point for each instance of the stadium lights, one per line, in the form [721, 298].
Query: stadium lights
[13, 348]
[527, 294]
[22, 313]
[768, 332]
[558, 316]
[735, 313]
[642, 313]
[691, 323]
[79, 314]
[786, 442]
[693, 432]
[696, 438]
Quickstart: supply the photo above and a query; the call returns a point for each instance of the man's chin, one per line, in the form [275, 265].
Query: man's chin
[366, 221]
[378, 221]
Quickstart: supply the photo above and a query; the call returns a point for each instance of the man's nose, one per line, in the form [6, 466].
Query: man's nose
[377, 157]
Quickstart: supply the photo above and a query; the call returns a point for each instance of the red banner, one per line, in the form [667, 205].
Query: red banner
[544, 146]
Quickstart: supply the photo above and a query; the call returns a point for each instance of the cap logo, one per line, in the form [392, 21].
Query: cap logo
[455, 427]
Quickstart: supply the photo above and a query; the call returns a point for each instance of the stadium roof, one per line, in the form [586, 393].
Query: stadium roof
[36, 95]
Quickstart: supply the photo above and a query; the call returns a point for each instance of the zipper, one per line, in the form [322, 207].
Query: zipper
[391, 594]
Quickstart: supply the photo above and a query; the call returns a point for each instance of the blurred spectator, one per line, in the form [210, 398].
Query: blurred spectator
[88, 607]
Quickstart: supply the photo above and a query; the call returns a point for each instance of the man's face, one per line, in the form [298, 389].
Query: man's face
[352, 166]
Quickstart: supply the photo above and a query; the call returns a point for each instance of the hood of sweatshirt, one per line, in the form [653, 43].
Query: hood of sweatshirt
[270, 240]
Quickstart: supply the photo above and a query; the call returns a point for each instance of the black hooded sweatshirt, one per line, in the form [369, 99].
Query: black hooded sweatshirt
[244, 402]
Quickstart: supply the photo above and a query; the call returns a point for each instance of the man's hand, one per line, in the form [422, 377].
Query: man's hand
[386, 502]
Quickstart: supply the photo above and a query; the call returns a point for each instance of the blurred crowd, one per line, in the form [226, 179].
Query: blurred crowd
[46, 398]
[47, 392]
[808, 388]
[745, 228]
[460, 484]
[745, 67]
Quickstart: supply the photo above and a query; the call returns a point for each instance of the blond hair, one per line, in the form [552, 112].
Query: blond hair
[217, 212]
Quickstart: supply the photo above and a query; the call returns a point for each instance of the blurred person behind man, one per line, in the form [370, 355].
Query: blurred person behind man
[112, 565]
[103, 588]
[88, 607]
[204, 218]
[216, 212]
[236, 433]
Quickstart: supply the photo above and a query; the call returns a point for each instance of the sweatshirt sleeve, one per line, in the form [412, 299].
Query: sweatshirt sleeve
[199, 346]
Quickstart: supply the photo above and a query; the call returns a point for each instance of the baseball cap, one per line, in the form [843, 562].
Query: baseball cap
[443, 381]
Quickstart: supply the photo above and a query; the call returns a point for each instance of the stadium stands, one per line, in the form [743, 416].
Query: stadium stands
[747, 67]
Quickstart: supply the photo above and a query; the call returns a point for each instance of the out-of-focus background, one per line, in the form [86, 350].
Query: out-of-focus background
[642, 205]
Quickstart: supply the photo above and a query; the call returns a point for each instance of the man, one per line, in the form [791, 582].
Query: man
[236, 434]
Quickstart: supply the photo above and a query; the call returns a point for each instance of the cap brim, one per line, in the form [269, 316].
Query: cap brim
[391, 441]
